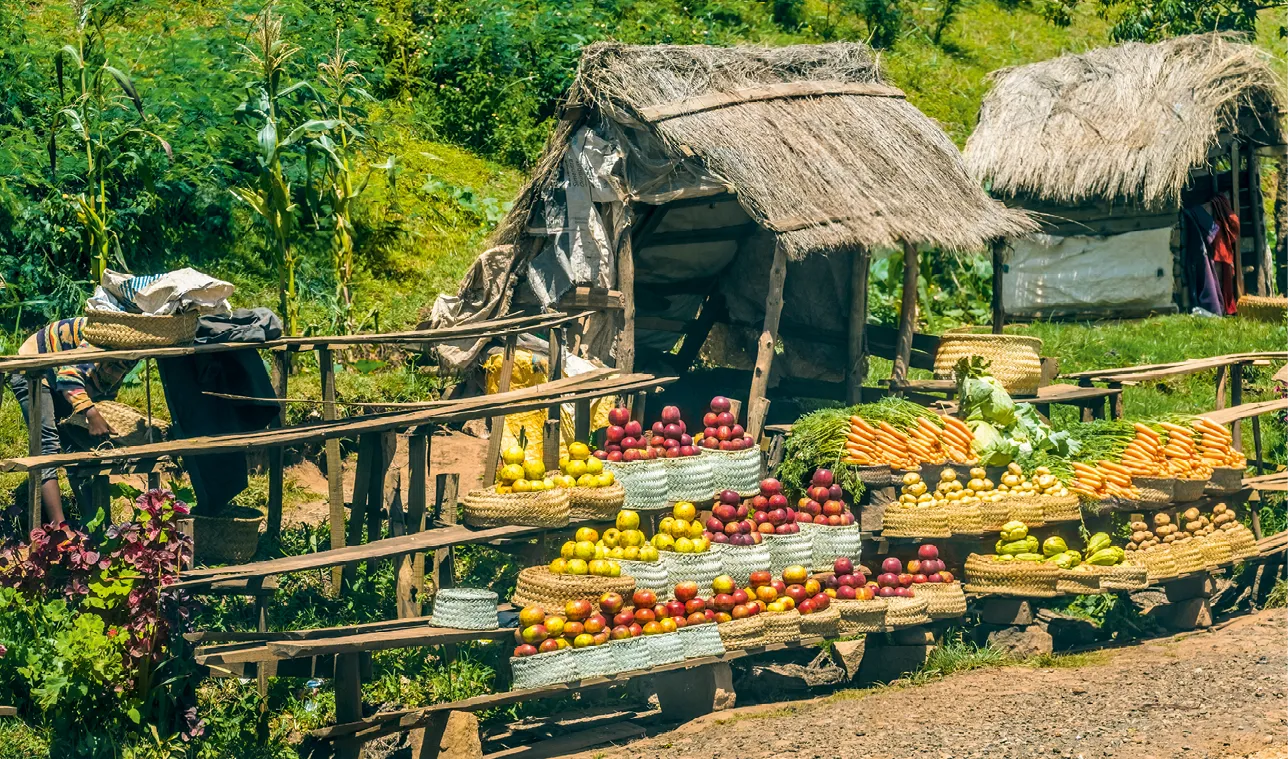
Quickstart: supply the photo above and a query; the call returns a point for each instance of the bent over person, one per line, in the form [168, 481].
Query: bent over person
[67, 391]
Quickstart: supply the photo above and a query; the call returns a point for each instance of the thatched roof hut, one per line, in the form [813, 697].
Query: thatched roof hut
[707, 185]
[1119, 140]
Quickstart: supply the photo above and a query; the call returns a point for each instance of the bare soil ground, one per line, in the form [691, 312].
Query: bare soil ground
[1208, 695]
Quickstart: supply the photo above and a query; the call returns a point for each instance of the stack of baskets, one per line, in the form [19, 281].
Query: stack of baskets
[1014, 360]
[689, 478]
[1188, 556]
[994, 514]
[1185, 491]
[861, 616]
[538, 586]
[747, 632]
[875, 476]
[594, 661]
[827, 544]
[1242, 542]
[643, 481]
[781, 626]
[631, 653]
[915, 522]
[596, 504]
[825, 623]
[702, 568]
[543, 508]
[739, 471]
[906, 612]
[649, 575]
[965, 519]
[1158, 561]
[1034, 579]
[1215, 549]
[1079, 581]
[1121, 577]
[740, 561]
[1225, 480]
[1060, 508]
[665, 648]
[1026, 509]
[465, 609]
[792, 549]
[540, 670]
[944, 600]
[701, 640]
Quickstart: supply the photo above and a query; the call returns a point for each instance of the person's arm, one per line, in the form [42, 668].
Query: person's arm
[72, 382]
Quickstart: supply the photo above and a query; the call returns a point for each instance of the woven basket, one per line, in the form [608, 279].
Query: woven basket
[781, 626]
[689, 478]
[944, 599]
[1159, 563]
[632, 654]
[916, 522]
[739, 471]
[1154, 489]
[994, 514]
[740, 561]
[1188, 556]
[701, 568]
[644, 481]
[543, 508]
[1078, 582]
[540, 670]
[465, 609]
[649, 575]
[1242, 542]
[748, 632]
[906, 612]
[701, 640]
[831, 543]
[1120, 576]
[1026, 509]
[596, 504]
[118, 330]
[875, 476]
[861, 616]
[594, 661]
[1215, 549]
[1060, 508]
[1263, 308]
[825, 623]
[665, 648]
[796, 549]
[1014, 360]
[965, 519]
[225, 540]
[1027, 579]
[538, 586]
[1185, 491]
[1225, 480]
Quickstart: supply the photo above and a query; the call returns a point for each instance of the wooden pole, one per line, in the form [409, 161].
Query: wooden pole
[758, 404]
[348, 701]
[626, 284]
[550, 434]
[410, 585]
[999, 267]
[1239, 284]
[1236, 400]
[447, 486]
[498, 422]
[334, 464]
[858, 366]
[1261, 250]
[907, 317]
[35, 413]
[273, 521]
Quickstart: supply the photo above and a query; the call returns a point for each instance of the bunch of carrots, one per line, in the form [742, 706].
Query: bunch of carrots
[1103, 480]
[1178, 451]
[1216, 446]
[924, 442]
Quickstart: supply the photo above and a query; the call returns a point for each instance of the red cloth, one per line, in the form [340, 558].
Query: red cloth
[1223, 248]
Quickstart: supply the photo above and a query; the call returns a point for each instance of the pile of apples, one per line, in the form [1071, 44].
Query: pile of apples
[897, 580]
[848, 584]
[585, 554]
[682, 531]
[649, 617]
[824, 502]
[626, 541]
[722, 431]
[523, 476]
[730, 521]
[580, 469]
[671, 436]
[770, 511]
[795, 590]
[579, 626]
[624, 439]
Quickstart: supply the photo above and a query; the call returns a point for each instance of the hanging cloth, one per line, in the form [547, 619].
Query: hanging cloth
[1223, 249]
[1200, 230]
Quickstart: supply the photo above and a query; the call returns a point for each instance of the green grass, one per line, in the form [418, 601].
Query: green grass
[1278, 596]
[1067, 661]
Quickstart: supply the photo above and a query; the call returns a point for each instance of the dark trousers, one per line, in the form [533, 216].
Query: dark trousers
[49, 442]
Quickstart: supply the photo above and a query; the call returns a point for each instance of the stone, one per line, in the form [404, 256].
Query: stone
[1022, 642]
[882, 664]
[1145, 600]
[454, 736]
[848, 654]
[1067, 631]
[1197, 585]
[685, 694]
[1186, 615]
[1005, 611]
[872, 515]
[912, 636]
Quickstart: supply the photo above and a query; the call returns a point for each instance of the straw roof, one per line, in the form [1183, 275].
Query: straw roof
[854, 163]
[1127, 122]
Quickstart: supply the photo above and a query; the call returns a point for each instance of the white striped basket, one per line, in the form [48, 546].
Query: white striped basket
[665, 648]
[644, 481]
[631, 653]
[701, 568]
[739, 471]
[701, 640]
[788, 550]
[594, 661]
[831, 543]
[740, 561]
[539, 670]
[465, 609]
[689, 478]
[649, 575]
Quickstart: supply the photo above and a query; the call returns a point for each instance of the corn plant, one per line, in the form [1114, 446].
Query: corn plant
[98, 115]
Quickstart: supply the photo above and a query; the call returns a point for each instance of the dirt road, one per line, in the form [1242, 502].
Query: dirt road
[1208, 695]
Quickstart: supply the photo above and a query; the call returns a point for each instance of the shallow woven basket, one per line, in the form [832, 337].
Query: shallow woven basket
[1242, 542]
[1014, 360]
[1188, 556]
[1121, 576]
[644, 481]
[1078, 582]
[596, 504]
[538, 586]
[689, 478]
[1026, 509]
[827, 544]
[739, 471]
[1031, 579]
[740, 561]
[748, 632]
[825, 623]
[701, 640]
[796, 549]
[1060, 508]
[1225, 480]
[965, 519]
[649, 575]
[118, 330]
[465, 609]
[944, 599]
[544, 508]
[632, 654]
[539, 670]
[875, 476]
[1155, 489]
[917, 522]
[1215, 549]
[1263, 308]
[701, 568]
[665, 648]
[861, 616]
[906, 612]
[1185, 491]
[781, 626]
[594, 661]
[994, 514]
[225, 540]
[1158, 562]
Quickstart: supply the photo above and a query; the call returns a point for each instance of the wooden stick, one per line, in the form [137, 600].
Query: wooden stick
[273, 521]
[999, 268]
[758, 403]
[498, 422]
[334, 464]
[626, 284]
[857, 369]
[367, 445]
[411, 583]
[348, 701]
[550, 433]
[1220, 387]
[1236, 400]
[1261, 250]
[1239, 284]
[447, 487]
[907, 315]
[35, 414]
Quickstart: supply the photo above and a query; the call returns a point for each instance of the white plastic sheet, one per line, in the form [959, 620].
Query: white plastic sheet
[1132, 270]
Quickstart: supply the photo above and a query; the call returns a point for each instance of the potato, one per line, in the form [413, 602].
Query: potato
[1220, 508]
[1161, 518]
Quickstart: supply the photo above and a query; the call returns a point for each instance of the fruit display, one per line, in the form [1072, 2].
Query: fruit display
[950, 489]
[770, 510]
[721, 429]
[1042, 482]
[521, 475]
[730, 602]
[647, 616]
[1016, 543]
[924, 441]
[730, 522]
[625, 540]
[847, 583]
[580, 469]
[578, 625]
[586, 554]
[823, 502]
[624, 439]
[669, 436]
[682, 531]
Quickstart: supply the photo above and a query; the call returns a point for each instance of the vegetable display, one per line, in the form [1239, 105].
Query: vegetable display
[1004, 431]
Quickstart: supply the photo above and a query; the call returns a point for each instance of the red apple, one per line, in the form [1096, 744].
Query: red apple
[611, 603]
[928, 551]
[623, 618]
[685, 591]
[886, 591]
[892, 565]
[675, 609]
[846, 592]
[720, 403]
[918, 579]
[905, 579]
[526, 650]
[694, 605]
[643, 616]
[843, 565]
[633, 429]
[697, 618]
[821, 601]
[643, 598]
[796, 593]
[619, 415]
[822, 477]
[805, 607]
[887, 579]
[936, 577]
[946, 576]
[548, 645]
[739, 596]
[620, 632]
[670, 414]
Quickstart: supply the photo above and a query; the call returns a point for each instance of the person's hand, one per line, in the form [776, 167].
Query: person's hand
[98, 426]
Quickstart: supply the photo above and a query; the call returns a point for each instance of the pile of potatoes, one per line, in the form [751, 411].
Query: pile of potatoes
[1189, 524]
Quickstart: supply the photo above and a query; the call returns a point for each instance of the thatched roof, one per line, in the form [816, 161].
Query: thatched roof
[853, 164]
[1127, 122]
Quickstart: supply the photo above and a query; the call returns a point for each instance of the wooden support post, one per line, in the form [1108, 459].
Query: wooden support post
[1256, 445]
[334, 464]
[1260, 249]
[446, 487]
[758, 403]
[254, 586]
[1086, 409]
[907, 316]
[368, 450]
[1221, 374]
[1239, 284]
[1116, 401]
[1254, 508]
[348, 701]
[581, 420]
[999, 267]
[386, 446]
[550, 434]
[1236, 399]
[626, 285]
[101, 490]
[857, 369]
[411, 583]
[713, 310]
[273, 520]
[35, 414]
[497, 430]
[639, 406]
